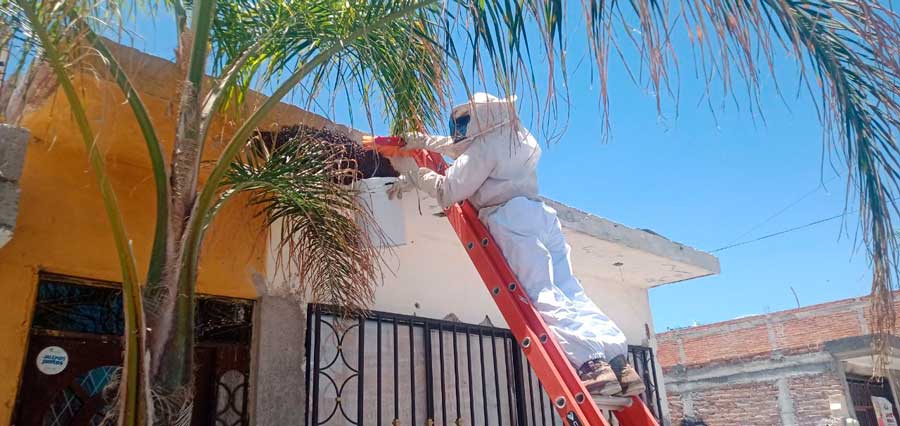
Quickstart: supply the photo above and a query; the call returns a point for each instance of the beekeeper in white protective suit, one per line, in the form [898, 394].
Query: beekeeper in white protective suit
[495, 168]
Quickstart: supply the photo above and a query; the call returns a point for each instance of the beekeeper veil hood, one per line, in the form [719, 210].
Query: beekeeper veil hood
[482, 114]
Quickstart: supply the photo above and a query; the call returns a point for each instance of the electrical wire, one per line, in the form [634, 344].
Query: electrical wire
[782, 232]
[784, 209]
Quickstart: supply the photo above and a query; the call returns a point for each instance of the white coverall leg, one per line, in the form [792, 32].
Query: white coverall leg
[530, 237]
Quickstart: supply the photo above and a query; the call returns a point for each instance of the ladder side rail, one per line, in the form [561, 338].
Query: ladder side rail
[637, 414]
[550, 365]
[562, 368]
[571, 404]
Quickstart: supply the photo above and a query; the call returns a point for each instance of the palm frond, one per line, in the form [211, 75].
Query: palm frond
[854, 50]
[398, 66]
[300, 187]
[849, 53]
[59, 37]
[405, 54]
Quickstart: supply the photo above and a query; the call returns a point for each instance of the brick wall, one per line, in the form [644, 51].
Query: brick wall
[761, 370]
[793, 331]
[707, 347]
[759, 403]
[750, 404]
[809, 332]
[810, 396]
[676, 407]
[867, 311]
[667, 352]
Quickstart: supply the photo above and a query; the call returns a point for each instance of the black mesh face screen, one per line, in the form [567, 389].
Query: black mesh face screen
[459, 126]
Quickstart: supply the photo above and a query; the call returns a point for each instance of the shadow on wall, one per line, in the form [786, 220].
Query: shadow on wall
[692, 421]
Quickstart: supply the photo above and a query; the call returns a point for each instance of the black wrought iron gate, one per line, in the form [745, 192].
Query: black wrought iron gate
[390, 369]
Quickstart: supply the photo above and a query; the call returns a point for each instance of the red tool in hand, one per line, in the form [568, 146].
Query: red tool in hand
[392, 146]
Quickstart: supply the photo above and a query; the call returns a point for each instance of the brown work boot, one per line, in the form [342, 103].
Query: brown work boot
[629, 379]
[599, 378]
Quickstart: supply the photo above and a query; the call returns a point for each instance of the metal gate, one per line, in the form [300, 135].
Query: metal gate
[391, 369]
[862, 389]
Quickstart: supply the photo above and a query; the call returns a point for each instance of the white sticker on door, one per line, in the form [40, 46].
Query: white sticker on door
[52, 360]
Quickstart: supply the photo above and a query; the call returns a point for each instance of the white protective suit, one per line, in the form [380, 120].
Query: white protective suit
[495, 168]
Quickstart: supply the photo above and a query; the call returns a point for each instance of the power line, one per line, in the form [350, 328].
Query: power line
[784, 209]
[796, 228]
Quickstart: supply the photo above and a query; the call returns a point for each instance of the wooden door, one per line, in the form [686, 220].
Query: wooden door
[75, 396]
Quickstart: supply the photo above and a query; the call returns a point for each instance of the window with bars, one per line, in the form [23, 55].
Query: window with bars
[391, 369]
[66, 305]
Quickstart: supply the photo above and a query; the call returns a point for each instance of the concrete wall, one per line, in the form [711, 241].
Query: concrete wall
[433, 277]
[278, 367]
[13, 141]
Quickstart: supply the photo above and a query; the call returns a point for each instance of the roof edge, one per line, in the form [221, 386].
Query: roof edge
[638, 239]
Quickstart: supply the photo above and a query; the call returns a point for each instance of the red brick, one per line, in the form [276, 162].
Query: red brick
[726, 345]
[667, 353]
[867, 312]
[812, 331]
[810, 395]
[738, 341]
[676, 408]
[738, 405]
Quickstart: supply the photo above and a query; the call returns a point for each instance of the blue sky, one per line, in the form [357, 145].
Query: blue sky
[701, 181]
[704, 183]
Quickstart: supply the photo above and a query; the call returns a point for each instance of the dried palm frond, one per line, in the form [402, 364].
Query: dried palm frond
[300, 187]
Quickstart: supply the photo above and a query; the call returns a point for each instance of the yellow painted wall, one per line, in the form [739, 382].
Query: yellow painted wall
[61, 225]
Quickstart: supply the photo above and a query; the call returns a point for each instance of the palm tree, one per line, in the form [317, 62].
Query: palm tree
[404, 55]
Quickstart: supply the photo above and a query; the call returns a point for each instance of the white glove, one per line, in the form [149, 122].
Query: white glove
[403, 184]
[417, 140]
[429, 182]
[426, 180]
[404, 165]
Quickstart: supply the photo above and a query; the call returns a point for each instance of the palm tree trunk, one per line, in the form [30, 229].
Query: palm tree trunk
[172, 337]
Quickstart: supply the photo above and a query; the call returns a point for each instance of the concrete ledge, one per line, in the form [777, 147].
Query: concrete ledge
[681, 380]
[857, 346]
[638, 239]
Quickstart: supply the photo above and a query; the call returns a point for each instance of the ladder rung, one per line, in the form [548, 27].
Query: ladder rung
[612, 403]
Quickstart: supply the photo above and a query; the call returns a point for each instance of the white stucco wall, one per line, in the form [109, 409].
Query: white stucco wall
[432, 276]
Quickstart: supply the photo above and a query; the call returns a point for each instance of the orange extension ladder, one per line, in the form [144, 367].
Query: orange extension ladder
[569, 396]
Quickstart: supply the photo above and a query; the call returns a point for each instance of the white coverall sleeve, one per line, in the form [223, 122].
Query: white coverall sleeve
[461, 179]
[439, 144]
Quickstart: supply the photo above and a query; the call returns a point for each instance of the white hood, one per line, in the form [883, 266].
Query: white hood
[488, 113]
[497, 160]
